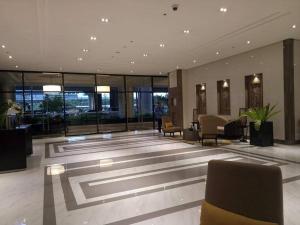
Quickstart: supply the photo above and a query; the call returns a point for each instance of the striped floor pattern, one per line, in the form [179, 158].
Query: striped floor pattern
[130, 179]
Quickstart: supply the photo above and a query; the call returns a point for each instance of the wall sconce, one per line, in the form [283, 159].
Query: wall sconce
[202, 87]
[225, 84]
[102, 89]
[256, 80]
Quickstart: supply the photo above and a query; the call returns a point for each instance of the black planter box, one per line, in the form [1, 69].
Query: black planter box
[263, 137]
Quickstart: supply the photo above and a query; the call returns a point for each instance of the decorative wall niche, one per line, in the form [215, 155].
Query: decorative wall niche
[223, 88]
[254, 90]
[201, 98]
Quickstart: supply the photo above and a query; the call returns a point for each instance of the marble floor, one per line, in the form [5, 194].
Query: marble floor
[128, 178]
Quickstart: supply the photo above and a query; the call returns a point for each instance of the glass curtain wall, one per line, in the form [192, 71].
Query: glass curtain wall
[43, 103]
[139, 102]
[75, 104]
[80, 104]
[160, 95]
[111, 101]
[11, 89]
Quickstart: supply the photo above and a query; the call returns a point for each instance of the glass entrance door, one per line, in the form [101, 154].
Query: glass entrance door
[140, 111]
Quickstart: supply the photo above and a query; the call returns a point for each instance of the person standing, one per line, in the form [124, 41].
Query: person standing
[158, 115]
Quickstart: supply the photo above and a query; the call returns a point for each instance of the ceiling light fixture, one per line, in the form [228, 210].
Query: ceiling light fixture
[104, 20]
[222, 9]
[217, 53]
[248, 42]
[186, 31]
[93, 38]
[160, 73]
[3, 46]
[79, 59]
[294, 26]
[85, 50]
[132, 62]
[51, 88]
[102, 89]
[17, 66]
[194, 61]
[177, 67]
[131, 71]
[145, 54]
[10, 57]
[162, 45]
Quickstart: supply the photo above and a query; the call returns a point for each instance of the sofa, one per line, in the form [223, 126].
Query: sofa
[214, 127]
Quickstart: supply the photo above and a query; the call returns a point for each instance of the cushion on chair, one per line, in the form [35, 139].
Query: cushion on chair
[212, 215]
[168, 124]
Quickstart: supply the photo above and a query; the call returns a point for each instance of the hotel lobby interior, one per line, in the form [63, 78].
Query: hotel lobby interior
[149, 112]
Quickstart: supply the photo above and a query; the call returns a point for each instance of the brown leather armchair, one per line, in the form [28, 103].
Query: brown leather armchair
[244, 190]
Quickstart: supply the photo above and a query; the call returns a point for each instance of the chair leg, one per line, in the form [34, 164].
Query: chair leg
[216, 141]
[202, 140]
[164, 134]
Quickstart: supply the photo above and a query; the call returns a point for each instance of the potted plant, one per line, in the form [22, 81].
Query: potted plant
[261, 129]
[8, 111]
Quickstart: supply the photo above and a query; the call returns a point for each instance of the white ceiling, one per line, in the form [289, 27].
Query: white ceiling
[49, 35]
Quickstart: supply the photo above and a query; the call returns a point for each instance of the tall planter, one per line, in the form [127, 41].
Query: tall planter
[262, 137]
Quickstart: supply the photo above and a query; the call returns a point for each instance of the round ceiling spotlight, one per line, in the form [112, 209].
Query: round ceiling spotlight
[294, 26]
[223, 9]
[217, 53]
[93, 38]
[104, 20]
[10, 57]
[145, 54]
[85, 50]
[194, 61]
[79, 59]
[186, 31]
[2, 46]
[248, 42]
[162, 45]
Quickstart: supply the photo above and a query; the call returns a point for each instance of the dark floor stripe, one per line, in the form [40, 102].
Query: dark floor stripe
[158, 213]
[49, 217]
[291, 179]
[142, 162]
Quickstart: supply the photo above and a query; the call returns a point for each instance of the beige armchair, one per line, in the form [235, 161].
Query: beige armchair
[168, 127]
[210, 127]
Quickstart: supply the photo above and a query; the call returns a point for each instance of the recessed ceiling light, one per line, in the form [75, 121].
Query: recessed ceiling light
[217, 53]
[223, 9]
[186, 31]
[85, 50]
[3, 46]
[248, 42]
[252, 56]
[160, 73]
[17, 66]
[131, 71]
[227, 63]
[79, 59]
[294, 26]
[93, 38]
[145, 54]
[162, 45]
[194, 61]
[10, 57]
[104, 20]
[177, 67]
[132, 62]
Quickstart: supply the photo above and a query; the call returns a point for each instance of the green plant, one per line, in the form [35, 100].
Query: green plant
[260, 114]
[5, 109]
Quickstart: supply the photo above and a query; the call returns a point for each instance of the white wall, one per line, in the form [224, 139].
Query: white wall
[297, 87]
[267, 60]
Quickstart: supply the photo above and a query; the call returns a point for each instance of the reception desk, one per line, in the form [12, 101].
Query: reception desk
[15, 145]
